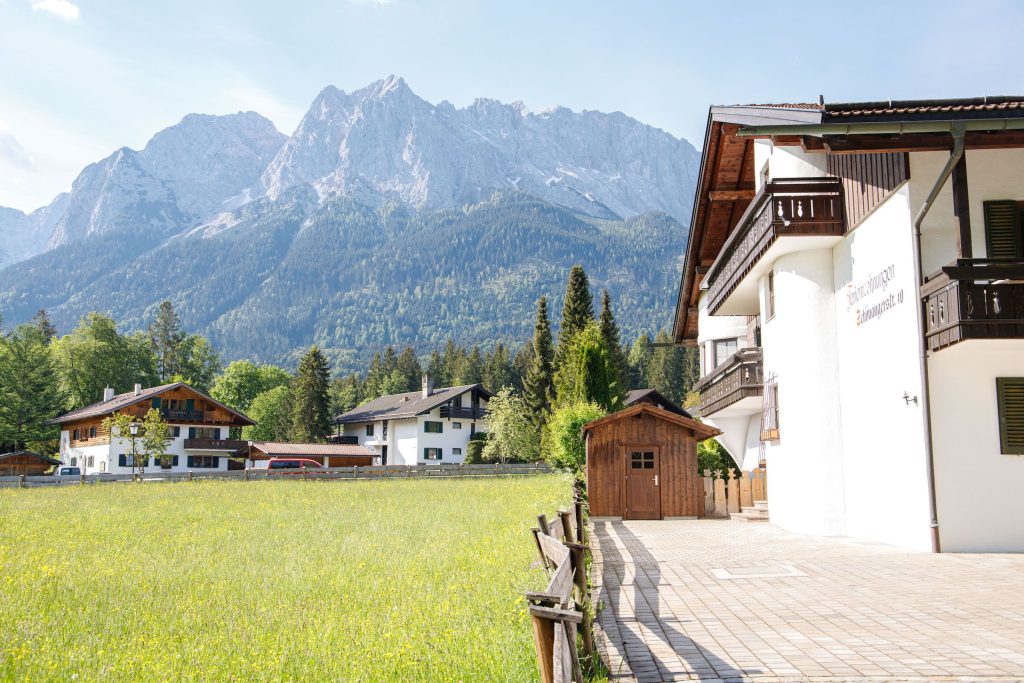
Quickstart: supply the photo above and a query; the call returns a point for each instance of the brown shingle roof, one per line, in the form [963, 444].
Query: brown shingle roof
[408, 404]
[635, 395]
[925, 109]
[44, 458]
[275, 449]
[131, 398]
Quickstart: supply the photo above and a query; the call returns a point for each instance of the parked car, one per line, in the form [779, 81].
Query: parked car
[293, 464]
[68, 471]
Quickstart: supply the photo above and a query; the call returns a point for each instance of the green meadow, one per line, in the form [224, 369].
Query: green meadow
[272, 580]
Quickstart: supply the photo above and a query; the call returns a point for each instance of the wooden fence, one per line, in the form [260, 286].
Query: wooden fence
[563, 608]
[725, 494]
[440, 471]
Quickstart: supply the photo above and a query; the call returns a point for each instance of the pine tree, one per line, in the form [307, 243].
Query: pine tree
[165, 337]
[409, 370]
[42, 322]
[537, 382]
[498, 370]
[639, 361]
[311, 416]
[472, 371]
[435, 367]
[610, 333]
[587, 374]
[577, 310]
[29, 397]
[454, 358]
[665, 371]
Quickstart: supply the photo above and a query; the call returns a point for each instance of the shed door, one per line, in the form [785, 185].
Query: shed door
[643, 493]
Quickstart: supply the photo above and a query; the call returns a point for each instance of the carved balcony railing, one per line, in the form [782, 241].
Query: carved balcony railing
[215, 444]
[182, 415]
[460, 413]
[786, 207]
[974, 299]
[739, 377]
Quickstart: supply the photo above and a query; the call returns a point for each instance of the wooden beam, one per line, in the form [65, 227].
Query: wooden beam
[961, 209]
[923, 142]
[730, 195]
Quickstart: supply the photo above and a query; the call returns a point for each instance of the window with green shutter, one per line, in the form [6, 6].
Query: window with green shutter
[1010, 395]
[1003, 238]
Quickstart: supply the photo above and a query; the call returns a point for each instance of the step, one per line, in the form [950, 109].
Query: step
[760, 504]
[749, 515]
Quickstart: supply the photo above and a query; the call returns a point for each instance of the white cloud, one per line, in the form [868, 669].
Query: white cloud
[65, 9]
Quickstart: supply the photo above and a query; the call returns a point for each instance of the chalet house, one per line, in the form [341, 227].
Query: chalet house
[25, 462]
[854, 279]
[198, 440]
[419, 427]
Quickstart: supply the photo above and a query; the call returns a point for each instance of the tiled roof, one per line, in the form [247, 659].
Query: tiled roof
[635, 395]
[274, 449]
[953, 108]
[408, 404]
[131, 398]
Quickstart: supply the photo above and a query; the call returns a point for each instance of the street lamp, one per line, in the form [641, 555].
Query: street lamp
[133, 429]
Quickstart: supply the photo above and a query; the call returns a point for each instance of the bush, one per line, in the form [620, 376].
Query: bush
[475, 449]
[711, 455]
[564, 446]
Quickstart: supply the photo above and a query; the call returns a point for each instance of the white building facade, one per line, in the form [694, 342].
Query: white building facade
[431, 426]
[198, 438]
[877, 375]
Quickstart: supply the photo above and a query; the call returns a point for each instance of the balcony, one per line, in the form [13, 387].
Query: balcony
[215, 444]
[459, 413]
[741, 376]
[800, 212]
[182, 415]
[974, 299]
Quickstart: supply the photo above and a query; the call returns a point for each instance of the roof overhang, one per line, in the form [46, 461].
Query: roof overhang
[701, 431]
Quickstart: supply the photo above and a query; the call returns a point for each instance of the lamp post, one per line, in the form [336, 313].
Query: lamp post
[133, 428]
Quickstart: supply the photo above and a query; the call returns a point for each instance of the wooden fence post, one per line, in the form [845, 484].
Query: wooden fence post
[580, 535]
[189, 477]
[542, 521]
[544, 639]
[721, 509]
[733, 492]
[21, 481]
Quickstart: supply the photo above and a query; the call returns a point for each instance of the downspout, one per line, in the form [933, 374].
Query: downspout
[957, 130]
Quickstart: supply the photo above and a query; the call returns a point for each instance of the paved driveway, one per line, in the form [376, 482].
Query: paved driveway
[714, 599]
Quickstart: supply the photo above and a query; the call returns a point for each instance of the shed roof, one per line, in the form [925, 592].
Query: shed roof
[130, 398]
[276, 448]
[44, 458]
[408, 404]
[701, 430]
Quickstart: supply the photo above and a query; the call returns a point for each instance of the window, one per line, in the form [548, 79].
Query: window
[724, 348]
[285, 465]
[369, 430]
[433, 427]
[769, 297]
[457, 452]
[175, 432]
[472, 429]
[770, 411]
[74, 435]
[74, 462]
[456, 425]
[641, 460]
[156, 403]
[128, 460]
[90, 460]
[1004, 234]
[431, 453]
[1010, 397]
[166, 463]
[384, 429]
[457, 401]
[92, 432]
[204, 432]
[103, 465]
[203, 461]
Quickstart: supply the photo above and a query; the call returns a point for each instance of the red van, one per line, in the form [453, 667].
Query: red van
[293, 464]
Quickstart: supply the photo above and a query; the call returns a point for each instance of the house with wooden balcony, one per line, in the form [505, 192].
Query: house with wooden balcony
[429, 426]
[198, 437]
[854, 279]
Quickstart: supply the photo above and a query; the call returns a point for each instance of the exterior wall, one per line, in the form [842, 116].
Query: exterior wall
[677, 478]
[741, 436]
[712, 327]
[978, 488]
[883, 457]
[793, 162]
[405, 442]
[807, 493]
[106, 456]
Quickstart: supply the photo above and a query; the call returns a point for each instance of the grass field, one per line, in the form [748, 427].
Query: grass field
[276, 580]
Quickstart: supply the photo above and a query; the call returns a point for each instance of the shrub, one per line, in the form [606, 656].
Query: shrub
[564, 446]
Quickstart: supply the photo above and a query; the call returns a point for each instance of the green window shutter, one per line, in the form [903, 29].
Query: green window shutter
[1010, 393]
[191, 432]
[1003, 230]
[156, 403]
[189, 461]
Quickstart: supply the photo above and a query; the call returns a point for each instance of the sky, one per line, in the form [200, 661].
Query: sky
[81, 78]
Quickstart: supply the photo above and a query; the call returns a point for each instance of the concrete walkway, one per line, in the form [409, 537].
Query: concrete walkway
[720, 600]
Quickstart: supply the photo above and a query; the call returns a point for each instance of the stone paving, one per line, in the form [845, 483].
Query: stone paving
[723, 601]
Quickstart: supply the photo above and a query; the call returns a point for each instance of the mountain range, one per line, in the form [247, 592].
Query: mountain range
[383, 219]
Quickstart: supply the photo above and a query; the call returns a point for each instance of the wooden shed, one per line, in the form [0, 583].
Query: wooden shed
[642, 464]
[25, 462]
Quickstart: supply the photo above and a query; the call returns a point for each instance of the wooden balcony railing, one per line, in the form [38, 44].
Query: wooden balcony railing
[215, 444]
[786, 207]
[974, 299]
[740, 376]
[182, 415]
[458, 413]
